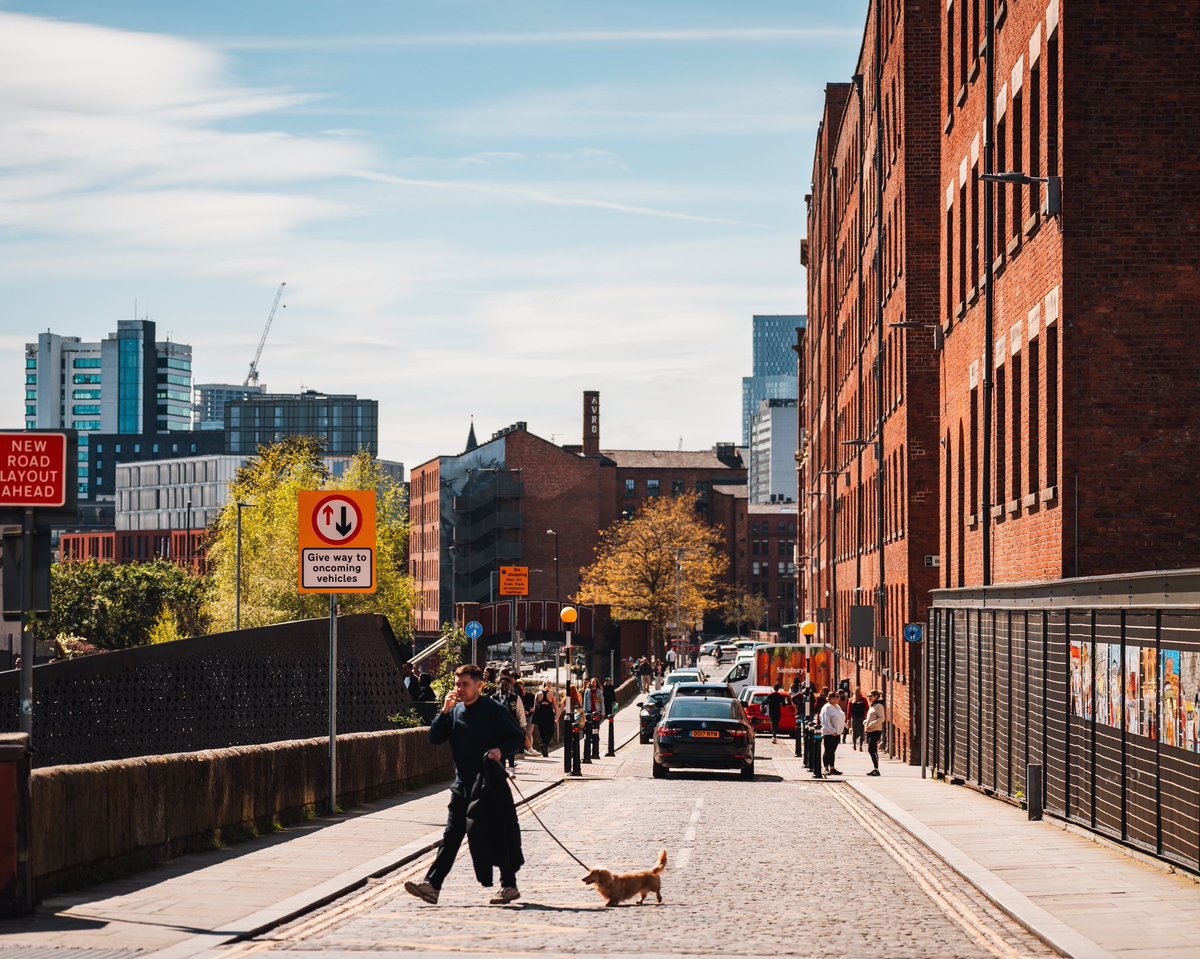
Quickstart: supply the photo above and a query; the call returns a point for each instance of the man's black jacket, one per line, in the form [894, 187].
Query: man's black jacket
[493, 833]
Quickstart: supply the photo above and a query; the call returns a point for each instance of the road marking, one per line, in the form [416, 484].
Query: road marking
[689, 835]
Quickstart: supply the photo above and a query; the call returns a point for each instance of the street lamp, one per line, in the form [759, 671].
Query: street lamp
[237, 616]
[569, 615]
[557, 593]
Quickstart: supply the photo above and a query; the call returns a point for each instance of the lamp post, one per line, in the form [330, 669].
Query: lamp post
[557, 588]
[237, 616]
[569, 615]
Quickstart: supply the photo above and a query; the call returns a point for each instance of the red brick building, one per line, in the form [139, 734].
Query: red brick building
[495, 503]
[1095, 375]
[760, 541]
[868, 385]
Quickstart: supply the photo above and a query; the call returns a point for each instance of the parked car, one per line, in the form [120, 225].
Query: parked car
[687, 675]
[699, 732]
[716, 690]
[754, 700]
[649, 712]
[726, 651]
[710, 648]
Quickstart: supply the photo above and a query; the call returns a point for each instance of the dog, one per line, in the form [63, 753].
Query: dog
[616, 889]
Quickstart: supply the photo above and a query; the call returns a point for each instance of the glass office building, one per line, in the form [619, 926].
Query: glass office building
[774, 372]
[341, 423]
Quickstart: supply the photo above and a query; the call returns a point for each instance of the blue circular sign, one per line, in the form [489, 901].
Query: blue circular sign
[474, 629]
[914, 632]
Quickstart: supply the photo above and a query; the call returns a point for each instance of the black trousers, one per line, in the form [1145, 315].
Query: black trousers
[776, 719]
[829, 745]
[873, 746]
[456, 829]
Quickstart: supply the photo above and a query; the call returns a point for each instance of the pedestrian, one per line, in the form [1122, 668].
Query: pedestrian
[798, 694]
[410, 681]
[671, 658]
[645, 673]
[833, 724]
[776, 700]
[610, 696]
[545, 713]
[427, 693]
[593, 710]
[876, 718]
[660, 673]
[507, 697]
[527, 700]
[858, 716]
[480, 732]
[844, 697]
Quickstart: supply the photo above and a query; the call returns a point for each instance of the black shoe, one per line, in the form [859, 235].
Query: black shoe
[422, 890]
[835, 772]
[873, 772]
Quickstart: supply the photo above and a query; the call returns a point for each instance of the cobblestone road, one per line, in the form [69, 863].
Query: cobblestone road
[765, 868]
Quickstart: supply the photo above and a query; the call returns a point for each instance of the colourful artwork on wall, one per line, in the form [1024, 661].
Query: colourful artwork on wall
[1101, 680]
[1133, 691]
[1171, 697]
[1149, 701]
[1081, 680]
[1189, 701]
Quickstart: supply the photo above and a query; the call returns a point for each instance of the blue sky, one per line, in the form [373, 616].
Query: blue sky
[479, 207]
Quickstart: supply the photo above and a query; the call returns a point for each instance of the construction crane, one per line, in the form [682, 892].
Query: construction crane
[252, 376]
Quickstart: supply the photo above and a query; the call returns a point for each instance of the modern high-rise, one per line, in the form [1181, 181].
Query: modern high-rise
[126, 383]
[773, 435]
[342, 423]
[773, 374]
[212, 398]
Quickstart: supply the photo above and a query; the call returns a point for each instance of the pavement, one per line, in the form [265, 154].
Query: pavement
[882, 866]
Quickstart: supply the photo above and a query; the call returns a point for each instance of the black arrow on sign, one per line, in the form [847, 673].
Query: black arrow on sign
[344, 527]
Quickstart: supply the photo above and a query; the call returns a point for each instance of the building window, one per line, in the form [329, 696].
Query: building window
[30, 363]
[949, 264]
[630, 487]
[974, 500]
[950, 87]
[85, 379]
[1016, 426]
[1052, 406]
[1035, 135]
[1001, 470]
[86, 363]
[31, 379]
[652, 487]
[1001, 208]
[1018, 144]
[677, 487]
[1035, 413]
[975, 225]
[962, 246]
[1052, 105]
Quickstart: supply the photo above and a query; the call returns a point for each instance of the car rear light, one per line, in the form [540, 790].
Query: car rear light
[738, 733]
[668, 731]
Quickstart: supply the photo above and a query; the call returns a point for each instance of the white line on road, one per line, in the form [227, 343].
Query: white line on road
[689, 836]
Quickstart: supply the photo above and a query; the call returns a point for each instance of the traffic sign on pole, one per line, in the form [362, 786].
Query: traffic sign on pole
[474, 629]
[34, 470]
[337, 541]
[914, 632]
[514, 580]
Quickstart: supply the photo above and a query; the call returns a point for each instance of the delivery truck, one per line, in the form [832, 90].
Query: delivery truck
[781, 663]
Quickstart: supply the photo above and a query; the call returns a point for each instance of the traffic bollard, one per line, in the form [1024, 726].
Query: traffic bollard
[1033, 791]
[612, 736]
[816, 757]
[587, 737]
[798, 740]
[575, 770]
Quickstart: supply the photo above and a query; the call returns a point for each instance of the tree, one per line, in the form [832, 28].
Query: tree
[271, 483]
[662, 560]
[742, 607]
[117, 605]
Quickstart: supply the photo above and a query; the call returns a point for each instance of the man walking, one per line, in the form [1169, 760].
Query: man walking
[479, 731]
[776, 700]
[833, 724]
[507, 697]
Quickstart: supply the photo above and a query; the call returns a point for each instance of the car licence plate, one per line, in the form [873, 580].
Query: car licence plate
[705, 734]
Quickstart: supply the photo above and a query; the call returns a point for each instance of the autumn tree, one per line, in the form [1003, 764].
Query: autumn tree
[662, 559]
[742, 608]
[270, 485]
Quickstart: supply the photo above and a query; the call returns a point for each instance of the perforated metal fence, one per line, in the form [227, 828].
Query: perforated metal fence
[1096, 680]
[230, 689]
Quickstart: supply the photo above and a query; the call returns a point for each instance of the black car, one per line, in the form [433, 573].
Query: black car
[698, 732]
[649, 713]
[711, 690]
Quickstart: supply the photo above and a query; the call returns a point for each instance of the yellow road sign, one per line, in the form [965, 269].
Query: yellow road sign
[514, 580]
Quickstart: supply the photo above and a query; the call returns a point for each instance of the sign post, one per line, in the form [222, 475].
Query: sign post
[514, 582]
[337, 555]
[474, 630]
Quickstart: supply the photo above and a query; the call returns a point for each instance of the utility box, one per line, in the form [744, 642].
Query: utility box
[16, 826]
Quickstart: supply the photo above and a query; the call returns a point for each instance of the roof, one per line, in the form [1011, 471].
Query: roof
[739, 491]
[668, 459]
[777, 509]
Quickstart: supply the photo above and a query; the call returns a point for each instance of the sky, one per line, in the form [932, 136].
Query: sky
[480, 209]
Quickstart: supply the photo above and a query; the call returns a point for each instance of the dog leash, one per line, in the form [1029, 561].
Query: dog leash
[512, 779]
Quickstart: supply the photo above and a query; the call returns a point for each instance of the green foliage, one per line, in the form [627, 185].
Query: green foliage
[409, 719]
[71, 647]
[166, 628]
[116, 605]
[449, 659]
[742, 608]
[272, 482]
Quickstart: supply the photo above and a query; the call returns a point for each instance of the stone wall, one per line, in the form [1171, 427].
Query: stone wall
[99, 820]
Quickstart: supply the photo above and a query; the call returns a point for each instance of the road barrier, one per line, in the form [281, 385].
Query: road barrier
[96, 821]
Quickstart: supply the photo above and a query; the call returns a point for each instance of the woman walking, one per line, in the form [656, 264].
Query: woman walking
[545, 711]
[876, 717]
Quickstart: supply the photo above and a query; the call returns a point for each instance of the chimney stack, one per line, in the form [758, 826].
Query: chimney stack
[591, 423]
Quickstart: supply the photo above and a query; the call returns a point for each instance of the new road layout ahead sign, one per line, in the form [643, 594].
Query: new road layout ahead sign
[33, 470]
[337, 541]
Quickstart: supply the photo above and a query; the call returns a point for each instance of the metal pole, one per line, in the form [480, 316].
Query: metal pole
[516, 640]
[332, 703]
[924, 647]
[879, 397]
[27, 625]
[237, 614]
[989, 300]
[568, 712]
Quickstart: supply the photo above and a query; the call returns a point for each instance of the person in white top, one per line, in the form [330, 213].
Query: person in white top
[670, 659]
[876, 717]
[833, 724]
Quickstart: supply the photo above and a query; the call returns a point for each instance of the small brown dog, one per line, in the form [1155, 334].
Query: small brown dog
[616, 889]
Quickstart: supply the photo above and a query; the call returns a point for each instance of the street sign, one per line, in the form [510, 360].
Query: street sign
[474, 629]
[514, 580]
[337, 541]
[914, 633]
[33, 470]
